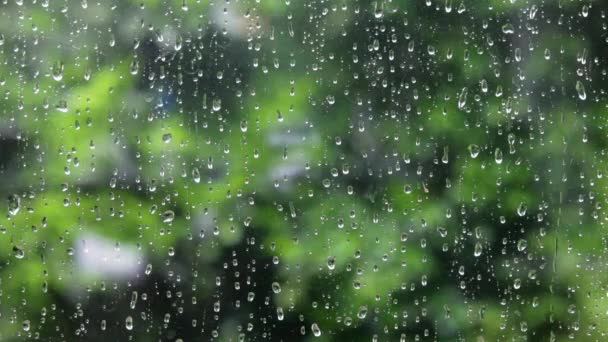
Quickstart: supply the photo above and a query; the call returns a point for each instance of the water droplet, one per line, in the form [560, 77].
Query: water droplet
[292, 210]
[445, 158]
[133, 302]
[331, 262]
[498, 156]
[585, 11]
[129, 323]
[134, 67]
[276, 287]
[362, 313]
[462, 98]
[62, 106]
[484, 85]
[580, 90]
[378, 10]
[522, 244]
[196, 175]
[14, 204]
[217, 104]
[517, 283]
[474, 150]
[508, 28]
[478, 249]
[533, 11]
[168, 216]
[18, 252]
[521, 209]
[57, 71]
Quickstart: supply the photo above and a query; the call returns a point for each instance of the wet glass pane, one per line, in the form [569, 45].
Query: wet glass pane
[303, 170]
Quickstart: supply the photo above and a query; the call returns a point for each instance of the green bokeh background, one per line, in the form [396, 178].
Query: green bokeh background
[231, 145]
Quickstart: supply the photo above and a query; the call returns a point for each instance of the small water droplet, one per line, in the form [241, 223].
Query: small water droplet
[462, 98]
[217, 104]
[14, 204]
[498, 156]
[474, 150]
[18, 252]
[57, 71]
[522, 244]
[331, 262]
[478, 249]
[196, 175]
[362, 313]
[521, 209]
[580, 90]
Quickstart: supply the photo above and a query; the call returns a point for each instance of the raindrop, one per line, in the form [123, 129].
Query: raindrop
[217, 105]
[521, 209]
[498, 156]
[18, 252]
[533, 11]
[522, 245]
[362, 313]
[508, 28]
[473, 150]
[517, 283]
[57, 71]
[129, 323]
[331, 262]
[14, 204]
[478, 249]
[580, 90]
[462, 98]
[276, 287]
[168, 216]
[196, 175]
[134, 67]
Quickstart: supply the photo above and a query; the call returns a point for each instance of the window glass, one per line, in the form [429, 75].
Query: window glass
[331, 170]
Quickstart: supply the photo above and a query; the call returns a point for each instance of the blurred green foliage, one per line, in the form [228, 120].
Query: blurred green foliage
[415, 170]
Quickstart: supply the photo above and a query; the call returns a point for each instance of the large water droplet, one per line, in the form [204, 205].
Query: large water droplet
[129, 323]
[168, 216]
